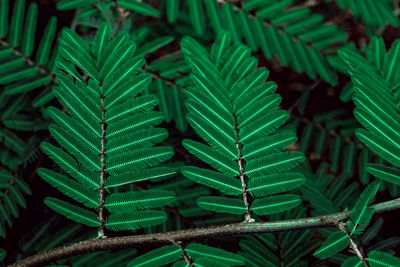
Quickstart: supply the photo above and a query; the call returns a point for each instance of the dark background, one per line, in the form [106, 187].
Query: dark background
[323, 98]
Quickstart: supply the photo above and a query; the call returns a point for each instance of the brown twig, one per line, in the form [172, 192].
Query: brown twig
[131, 241]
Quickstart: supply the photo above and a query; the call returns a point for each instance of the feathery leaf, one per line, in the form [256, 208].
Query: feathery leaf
[336, 242]
[380, 259]
[197, 250]
[275, 204]
[72, 212]
[135, 220]
[361, 214]
[275, 183]
[69, 187]
[216, 180]
[222, 204]
[139, 200]
[274, 163]
[385, 173]
[158, 257]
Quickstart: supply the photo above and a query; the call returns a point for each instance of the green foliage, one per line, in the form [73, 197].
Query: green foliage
[158, 257]
[335, 243]
[141, 8]
[224, 110]
[292, 33]
[19, 131]
[197, 254]
[24, 66]
[378, 258]
[375, 259]
[19, 72]
[224, 152]
[361, 214]
[121, 137]
[196, 250]
[360, 217]
[285, 248]
[73, 212]
[278, 28]
[376, 104]
[13, 189]
[372, 13]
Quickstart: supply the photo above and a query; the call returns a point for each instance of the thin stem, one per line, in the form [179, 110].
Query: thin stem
[185, 256]
[241, 162]
[102, 170]
[122, 15]
[28, 60]
[353, 245]
[168, 81]
[122, 242]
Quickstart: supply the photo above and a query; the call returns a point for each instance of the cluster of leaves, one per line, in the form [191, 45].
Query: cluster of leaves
[235, 112]
[79, 108]
[109, 131]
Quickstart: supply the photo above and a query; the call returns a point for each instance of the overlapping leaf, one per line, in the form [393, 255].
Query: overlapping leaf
[18, 71]
[199, 254]
[376, 103]
[12, 191]
[335, 243]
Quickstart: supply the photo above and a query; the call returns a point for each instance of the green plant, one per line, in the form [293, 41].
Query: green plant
[235, 111]
[110, 132]
[150, 132]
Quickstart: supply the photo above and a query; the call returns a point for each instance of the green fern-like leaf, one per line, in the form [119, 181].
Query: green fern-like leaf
[375, 102]
[139, 200]
[213, 179]
[199, 254]
[389, 174]
[372, 13]
[73, 212]
[158, 257]
[275, 204]
[12, 191]
[222, 204]
[274, 163]
[361, 214]
[140, 175]
[275, 183]
[198, 251]
[135, 220]
[379, 259]
[107, 133]
[69, 165]
[18, 73]
[205, 261]
[336, 242]
[276, 142]
[69, 187]
[242, 139]
[352, 262]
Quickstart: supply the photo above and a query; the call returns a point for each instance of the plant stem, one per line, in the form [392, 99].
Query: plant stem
[102, 170]
[186, 257]
[353, 245]
[131, 241]
[240, 161]
[28, 60]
